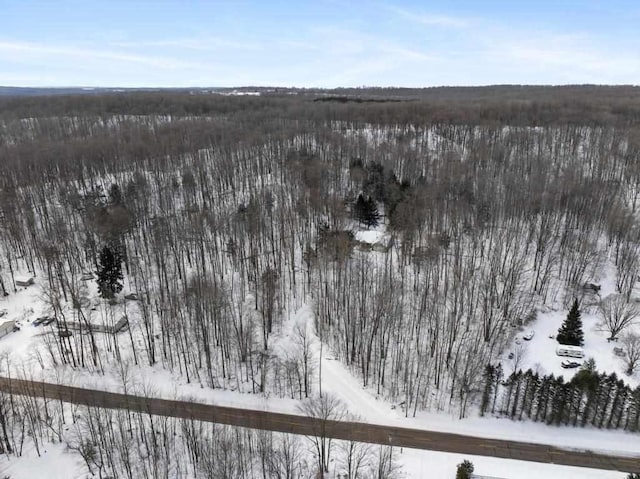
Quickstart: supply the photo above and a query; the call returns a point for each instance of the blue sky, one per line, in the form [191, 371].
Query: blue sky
[325, 43]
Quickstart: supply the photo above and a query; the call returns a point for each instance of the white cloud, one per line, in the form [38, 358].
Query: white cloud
[198, 44]
[431, 19]
[570, 58]
[37, 50]
[479, 52]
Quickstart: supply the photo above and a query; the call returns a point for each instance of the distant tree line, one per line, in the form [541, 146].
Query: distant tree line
[513, 104]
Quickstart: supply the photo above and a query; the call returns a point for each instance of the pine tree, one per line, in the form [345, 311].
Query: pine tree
[109, 272]
[609, 391]
[366, 211]
[571, 330]
[633, 415]
[621, 405]
[557, 399]
[533, 384]
[464, 470]
[373, 217]
[497, 378]
[543, 397]
[517, 394]
[489, 375]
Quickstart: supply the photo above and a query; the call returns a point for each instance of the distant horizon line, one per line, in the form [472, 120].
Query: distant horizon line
[292, 87]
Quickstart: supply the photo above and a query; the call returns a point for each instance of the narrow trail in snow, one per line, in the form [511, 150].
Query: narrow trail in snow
[309, 426]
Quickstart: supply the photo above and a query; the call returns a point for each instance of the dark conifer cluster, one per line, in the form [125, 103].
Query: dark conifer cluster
[571, 330]
[109, 272]
[590, 398]
[365, 211]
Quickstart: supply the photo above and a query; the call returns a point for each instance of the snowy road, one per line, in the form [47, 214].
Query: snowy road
[356, 431]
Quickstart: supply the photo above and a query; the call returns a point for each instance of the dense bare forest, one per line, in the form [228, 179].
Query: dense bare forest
[230, 213]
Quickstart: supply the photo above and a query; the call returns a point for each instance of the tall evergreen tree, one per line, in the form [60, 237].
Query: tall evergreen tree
[487, 392]
[533, 384]
[571, 330]
[558, 402]
[109, 272]
[542, 398]
[365, 211]
[633, 416]
[498, 376]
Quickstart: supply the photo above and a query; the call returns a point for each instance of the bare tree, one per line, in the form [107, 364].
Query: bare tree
[518, 355]
[268, 301]
[304, 355]
[387, 467]
[627, 265]
[325, 409]
[617, 314]
[631, 344]
[355, 458]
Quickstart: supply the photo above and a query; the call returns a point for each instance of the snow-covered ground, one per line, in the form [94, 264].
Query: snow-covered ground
[27, 304]
[22, 307]
[340, 382]
[54, 462]
[539, 353]
[371, 236]
[429, 464]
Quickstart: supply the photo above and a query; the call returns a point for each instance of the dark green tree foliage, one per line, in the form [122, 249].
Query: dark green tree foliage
[465, 469]
[487, 392]
[366, 211]
[528, 400]
[109, 272]
[395, 192]
[558, 403]
[571, 330]
[589, 398]
[381, 184]
[493, 376]
[633, 414]
[115, 195]
[374, 183]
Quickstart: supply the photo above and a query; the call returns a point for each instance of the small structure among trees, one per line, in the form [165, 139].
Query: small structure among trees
[373, 240]
[24, 281]
[121, 324]
[571, 330]
[6, 328]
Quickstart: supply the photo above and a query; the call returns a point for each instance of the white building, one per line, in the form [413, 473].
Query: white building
[6, 328]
